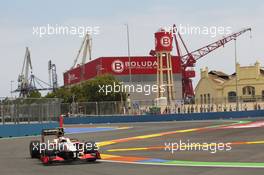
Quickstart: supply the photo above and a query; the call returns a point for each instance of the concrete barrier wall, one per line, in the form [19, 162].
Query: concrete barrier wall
[164, 117]
[16, 130]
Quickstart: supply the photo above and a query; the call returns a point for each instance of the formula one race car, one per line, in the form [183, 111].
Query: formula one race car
[62, 149]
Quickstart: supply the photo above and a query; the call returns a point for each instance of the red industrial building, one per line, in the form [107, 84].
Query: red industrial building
[143, 71]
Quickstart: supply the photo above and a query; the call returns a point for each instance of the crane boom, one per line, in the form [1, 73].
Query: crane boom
[85, 47]
[201, 52]
[189, 59]
[23, 78]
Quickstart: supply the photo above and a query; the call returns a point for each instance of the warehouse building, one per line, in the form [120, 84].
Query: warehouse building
[140, 70]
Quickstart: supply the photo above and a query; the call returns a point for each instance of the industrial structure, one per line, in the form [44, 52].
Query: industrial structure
[163, 48]
[53, 79]
[86, 48]
[161, 68]
[28, 82]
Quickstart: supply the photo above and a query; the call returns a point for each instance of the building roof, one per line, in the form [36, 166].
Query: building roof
[220, 74]
[262, 71]
[218, 77]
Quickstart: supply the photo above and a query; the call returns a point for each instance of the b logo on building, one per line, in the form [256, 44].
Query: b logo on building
[71, 77]
[165, 41]
[117, 66]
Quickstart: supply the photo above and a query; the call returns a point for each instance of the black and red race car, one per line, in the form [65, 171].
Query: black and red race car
[62, 149]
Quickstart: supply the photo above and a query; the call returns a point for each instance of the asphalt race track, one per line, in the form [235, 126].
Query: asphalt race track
[140, 149]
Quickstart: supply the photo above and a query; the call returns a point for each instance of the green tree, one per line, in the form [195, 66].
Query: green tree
[34, 94]
[90, 90]
[95, 89]
[62, 93]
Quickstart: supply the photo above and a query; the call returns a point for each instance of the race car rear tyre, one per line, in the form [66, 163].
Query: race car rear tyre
[34, 149]
[90, 147]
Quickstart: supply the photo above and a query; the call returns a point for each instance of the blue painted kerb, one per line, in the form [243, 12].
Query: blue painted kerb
[16, 130]
[164, 117]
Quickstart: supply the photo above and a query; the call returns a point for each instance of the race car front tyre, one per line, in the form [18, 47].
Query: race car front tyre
[34, 149]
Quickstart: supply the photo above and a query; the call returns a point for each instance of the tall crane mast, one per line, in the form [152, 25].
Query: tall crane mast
[52, 75]
[189, 59]
[23, 78]
[86, 48]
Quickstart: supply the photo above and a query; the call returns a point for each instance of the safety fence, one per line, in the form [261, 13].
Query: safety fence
[134, 107]
[22, 111]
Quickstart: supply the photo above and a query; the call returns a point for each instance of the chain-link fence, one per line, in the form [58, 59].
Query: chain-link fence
[44, 110]
[93, 108]
[152, 107]
[15, 111]
[221, 105]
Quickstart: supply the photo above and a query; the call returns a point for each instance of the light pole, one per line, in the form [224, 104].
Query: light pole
[128, 52]
[236, 75]
[11, 84]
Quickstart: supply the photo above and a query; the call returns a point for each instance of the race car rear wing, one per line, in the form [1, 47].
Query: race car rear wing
[48, 132]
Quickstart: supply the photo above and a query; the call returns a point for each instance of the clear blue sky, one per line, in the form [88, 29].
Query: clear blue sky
[144, 18]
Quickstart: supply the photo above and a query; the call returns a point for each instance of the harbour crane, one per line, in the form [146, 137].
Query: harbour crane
[86, 48]
[189, 59]
[53, 79]
[24, 86]
[28, 82]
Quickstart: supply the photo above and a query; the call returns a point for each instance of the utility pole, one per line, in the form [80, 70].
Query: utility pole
[128, 52]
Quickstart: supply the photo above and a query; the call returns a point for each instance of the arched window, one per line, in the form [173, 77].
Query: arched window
[231, 96]
[248, 90]
[209, 98]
